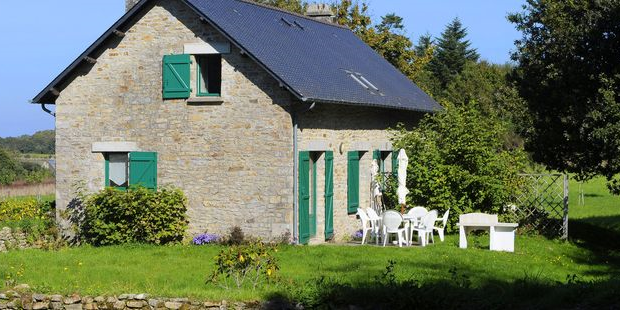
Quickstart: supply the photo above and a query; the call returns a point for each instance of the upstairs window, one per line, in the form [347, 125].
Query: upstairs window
[209, 77]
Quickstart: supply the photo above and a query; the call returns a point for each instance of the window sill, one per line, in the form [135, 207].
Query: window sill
[212, 100]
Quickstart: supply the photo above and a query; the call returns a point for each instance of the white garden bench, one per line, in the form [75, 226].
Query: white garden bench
[502, 234]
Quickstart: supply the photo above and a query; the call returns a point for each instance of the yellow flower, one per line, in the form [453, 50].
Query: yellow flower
[241, 258]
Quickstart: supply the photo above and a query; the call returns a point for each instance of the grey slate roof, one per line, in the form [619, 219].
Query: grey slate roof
[316, 61]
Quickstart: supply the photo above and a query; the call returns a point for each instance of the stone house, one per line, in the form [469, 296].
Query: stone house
[266, 119]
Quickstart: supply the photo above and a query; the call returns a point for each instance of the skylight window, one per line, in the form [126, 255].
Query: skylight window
[360, 79]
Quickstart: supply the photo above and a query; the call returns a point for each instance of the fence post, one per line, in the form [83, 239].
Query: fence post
[565, 216]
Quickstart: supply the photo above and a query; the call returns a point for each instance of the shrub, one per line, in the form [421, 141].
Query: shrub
[235, 237]
[247, 263]
[205, 238]
[137, 215]
[458, 160]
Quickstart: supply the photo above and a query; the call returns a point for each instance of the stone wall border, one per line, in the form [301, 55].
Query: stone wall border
[20, 297]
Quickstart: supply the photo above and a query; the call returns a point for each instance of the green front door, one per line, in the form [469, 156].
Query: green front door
[304, 197]
[329, 195]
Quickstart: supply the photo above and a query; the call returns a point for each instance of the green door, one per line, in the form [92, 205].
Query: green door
[304, 197]
[329, 195]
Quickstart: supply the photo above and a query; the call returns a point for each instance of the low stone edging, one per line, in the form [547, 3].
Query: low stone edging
[19, 298]
[12, 239]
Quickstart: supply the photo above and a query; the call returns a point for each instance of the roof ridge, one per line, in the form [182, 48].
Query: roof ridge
[293, 13]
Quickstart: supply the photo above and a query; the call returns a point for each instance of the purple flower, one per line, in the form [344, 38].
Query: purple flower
[205, 238]
[358, 234]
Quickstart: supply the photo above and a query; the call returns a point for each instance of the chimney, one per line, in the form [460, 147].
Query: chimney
[321, 11]
[130, 4]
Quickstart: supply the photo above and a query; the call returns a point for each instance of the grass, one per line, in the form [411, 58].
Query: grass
[542, 273]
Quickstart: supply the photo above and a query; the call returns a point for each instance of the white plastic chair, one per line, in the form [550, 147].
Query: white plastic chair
[425, 229]
[391, 225]
[440, 229]
[375, 221]
[416, 213]
[366, 225]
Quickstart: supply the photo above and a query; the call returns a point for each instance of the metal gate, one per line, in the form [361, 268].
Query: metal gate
[543, 203]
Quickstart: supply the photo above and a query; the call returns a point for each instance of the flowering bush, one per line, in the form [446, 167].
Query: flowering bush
[252, 263]
[357, 235]
[20, 209]
[206, 238]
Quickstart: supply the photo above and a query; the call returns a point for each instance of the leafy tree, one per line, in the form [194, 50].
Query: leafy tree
[10, 168]
[569, 73]
[457, 160]
[296, 6]
[452, 53]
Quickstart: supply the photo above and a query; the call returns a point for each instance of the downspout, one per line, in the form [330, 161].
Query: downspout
[48, 111]
[295, 115]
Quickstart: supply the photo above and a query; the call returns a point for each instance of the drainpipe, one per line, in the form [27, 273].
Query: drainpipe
[48, 111]
[296, 174]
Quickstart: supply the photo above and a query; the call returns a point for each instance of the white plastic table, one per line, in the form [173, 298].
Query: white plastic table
[502, 234]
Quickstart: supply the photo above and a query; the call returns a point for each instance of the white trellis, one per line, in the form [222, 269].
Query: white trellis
[543, 203]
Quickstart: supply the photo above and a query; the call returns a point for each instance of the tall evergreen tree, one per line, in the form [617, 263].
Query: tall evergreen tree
[424, 43]
[452, 53]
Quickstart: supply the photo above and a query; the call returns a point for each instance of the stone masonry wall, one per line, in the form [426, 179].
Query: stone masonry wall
[232, 160]
[21, 298]
[357, 129]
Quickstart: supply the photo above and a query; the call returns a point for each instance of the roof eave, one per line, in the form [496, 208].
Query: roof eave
[48, 91]
[374, 105]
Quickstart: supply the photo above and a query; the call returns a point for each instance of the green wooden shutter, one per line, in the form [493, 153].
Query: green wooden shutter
[304, 197]
[175, 76]
[329, 195]
[353, 181]
[395, 163]
[314, 200]
[143, 169]
[376, 154]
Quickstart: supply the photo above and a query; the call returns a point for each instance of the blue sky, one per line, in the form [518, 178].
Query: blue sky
[41, 38]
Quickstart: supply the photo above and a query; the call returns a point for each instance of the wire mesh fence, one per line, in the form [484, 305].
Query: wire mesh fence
[543, 203]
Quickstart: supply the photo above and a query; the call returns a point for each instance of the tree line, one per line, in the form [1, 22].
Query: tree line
[13, 149]
[42, 142]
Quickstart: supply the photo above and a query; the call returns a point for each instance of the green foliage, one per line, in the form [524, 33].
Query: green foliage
[137, 215]
[247, 263]
[569, 73]
[296, 6]
[235, 237]
[487, 86]
[452, 53]
[457, 160]
[10, 168]
[33, 217]
[17, 209]
[42, 142]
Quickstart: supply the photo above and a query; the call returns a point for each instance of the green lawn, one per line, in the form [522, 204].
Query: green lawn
[541, 272]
